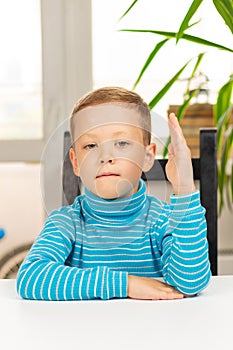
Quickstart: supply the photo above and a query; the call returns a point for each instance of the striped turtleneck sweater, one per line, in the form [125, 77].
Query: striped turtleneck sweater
[86, 250]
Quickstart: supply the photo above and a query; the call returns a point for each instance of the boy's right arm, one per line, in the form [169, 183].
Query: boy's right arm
[44, 275]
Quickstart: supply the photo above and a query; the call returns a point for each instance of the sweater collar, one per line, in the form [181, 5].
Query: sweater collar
[119, 210]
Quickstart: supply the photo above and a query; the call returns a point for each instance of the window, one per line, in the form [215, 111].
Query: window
[20, 70]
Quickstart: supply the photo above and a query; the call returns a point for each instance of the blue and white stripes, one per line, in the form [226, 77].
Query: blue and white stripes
[87, 250]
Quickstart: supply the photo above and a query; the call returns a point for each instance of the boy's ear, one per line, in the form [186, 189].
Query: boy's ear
[149, 157]
[74, 161]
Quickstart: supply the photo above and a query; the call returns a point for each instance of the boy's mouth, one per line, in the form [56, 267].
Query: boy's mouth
[106, 175]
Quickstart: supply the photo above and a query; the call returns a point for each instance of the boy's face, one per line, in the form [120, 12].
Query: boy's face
[109, 154]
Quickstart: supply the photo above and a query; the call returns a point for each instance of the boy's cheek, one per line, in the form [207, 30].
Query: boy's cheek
[88, 169]
[137, 160]
[135, 155]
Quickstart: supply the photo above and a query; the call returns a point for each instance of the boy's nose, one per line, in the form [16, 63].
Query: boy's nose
[106, 154]
[106, 159]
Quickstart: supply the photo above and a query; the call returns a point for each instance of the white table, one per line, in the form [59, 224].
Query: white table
[203, 322]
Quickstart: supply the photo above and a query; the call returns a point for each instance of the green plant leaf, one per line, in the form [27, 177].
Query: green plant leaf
[228, 190]
[223, 124]
[222, 173]
[223, 177]
[223, 109]
[130, 7]
[223, 100]
[187, 37]
[225, 9]
[149, 59]
[179, 114]
[165, 149]
[193, 24]
[185, 23]
[231, 186]
[220, 187]
[186, 102]
[228, 193]
[199, 59]
[164, 90]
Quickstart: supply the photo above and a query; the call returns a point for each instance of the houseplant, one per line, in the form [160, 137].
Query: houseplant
[223, 108]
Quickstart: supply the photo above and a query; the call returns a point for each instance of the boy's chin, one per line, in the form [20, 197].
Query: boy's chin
[121, 189]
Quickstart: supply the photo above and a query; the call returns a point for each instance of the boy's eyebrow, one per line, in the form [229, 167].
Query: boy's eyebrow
[115, 134]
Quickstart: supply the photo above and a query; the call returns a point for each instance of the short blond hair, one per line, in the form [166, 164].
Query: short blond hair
[117, 95]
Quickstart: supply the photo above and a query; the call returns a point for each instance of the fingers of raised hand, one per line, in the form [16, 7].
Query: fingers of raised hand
[176, 133]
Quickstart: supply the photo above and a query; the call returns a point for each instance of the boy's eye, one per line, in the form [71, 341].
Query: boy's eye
[90, 146]
[122, 144]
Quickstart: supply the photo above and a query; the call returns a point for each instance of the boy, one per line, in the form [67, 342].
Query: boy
[115, 240]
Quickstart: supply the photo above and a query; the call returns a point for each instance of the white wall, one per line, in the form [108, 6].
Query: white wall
[21, 206]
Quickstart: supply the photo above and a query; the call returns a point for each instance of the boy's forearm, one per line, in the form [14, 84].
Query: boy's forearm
[43, 280]
[185, 245]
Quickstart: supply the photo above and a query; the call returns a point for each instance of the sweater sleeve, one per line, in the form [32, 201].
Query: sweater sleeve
[184, 245]
[44, 275]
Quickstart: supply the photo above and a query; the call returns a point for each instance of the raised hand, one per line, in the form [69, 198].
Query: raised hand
[179, 166]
